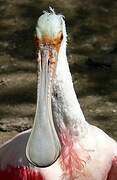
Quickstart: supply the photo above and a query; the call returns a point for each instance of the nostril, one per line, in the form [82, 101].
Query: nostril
[52, 60]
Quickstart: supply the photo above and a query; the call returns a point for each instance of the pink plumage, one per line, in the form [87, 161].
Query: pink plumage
[20, 173]
[113, 171]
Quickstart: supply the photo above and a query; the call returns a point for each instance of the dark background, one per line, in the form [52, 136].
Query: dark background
[92, 54]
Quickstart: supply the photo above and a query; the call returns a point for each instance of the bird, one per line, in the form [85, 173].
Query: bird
[61, 145]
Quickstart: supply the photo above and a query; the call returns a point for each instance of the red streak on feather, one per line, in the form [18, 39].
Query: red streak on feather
[72, 160]
[20, 173]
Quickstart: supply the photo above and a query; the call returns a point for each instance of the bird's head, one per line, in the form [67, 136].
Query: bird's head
[43, 146]
[49, 30]
[50, 35]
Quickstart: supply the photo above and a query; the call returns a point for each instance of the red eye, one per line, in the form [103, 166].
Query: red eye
[36, 41]
[61, 37]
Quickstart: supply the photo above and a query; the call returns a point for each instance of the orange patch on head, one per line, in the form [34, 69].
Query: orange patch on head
[56, 42]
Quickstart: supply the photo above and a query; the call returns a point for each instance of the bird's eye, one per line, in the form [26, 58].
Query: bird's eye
[61, 36]
[58, 39]
[36, 41]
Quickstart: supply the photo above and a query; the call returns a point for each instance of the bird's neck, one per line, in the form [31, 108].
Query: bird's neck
[66, 108]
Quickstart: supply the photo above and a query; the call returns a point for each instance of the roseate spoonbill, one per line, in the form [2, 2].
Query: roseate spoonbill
[61, 144]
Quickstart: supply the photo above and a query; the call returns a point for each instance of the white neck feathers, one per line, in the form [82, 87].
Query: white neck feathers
[66, 108]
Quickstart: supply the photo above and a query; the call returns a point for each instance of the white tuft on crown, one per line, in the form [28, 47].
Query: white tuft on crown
[50, 24]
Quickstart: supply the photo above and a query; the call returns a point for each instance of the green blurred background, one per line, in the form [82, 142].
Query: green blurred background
[92, 54]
